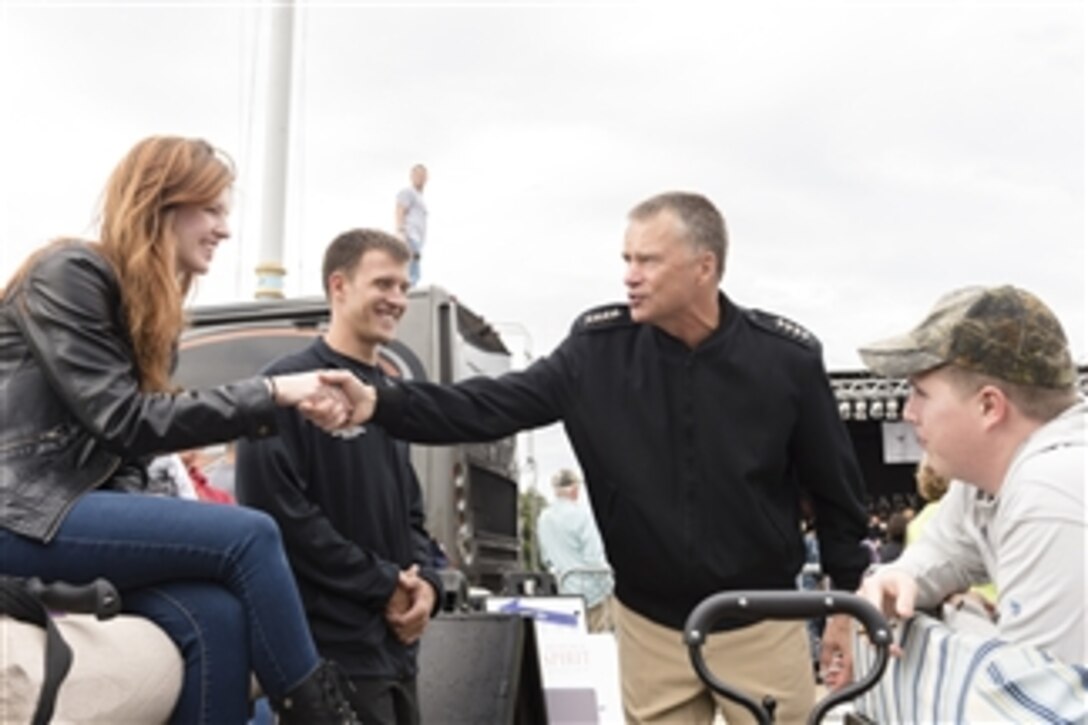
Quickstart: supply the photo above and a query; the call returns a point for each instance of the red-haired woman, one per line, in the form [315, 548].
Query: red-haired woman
[88, 334]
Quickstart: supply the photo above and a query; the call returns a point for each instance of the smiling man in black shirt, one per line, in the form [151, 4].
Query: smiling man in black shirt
[350, 508]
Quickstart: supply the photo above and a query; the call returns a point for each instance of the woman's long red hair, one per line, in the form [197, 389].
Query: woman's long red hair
[158, 175]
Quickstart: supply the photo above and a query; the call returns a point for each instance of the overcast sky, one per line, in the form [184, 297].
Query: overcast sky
[868, 156]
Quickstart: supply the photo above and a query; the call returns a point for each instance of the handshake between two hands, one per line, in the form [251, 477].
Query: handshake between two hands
[334, 400]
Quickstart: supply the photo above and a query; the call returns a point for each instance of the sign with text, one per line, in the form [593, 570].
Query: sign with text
[900, 443]
[580, 671]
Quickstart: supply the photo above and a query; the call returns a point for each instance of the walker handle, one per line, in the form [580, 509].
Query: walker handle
[758, 605]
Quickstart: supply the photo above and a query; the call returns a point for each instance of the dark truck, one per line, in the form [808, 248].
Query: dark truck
[470, 491]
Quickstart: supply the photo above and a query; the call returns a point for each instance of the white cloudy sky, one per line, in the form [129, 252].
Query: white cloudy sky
[868, 156]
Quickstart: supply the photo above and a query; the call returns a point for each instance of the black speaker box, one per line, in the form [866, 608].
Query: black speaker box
[480, 668]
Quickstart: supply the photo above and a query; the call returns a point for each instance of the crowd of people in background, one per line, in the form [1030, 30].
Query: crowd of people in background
[889, 517]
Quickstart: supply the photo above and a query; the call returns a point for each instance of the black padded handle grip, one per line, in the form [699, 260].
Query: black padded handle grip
[757, 605]
[98, 597]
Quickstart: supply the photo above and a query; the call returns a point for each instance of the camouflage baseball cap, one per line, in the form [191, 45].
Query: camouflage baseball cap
[1003, 332]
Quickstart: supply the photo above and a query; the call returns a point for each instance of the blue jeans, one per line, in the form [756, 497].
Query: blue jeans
[214, 577]
[416, 248]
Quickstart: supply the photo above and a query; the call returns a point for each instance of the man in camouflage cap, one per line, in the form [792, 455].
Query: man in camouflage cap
[995, 406]
[1003, 332]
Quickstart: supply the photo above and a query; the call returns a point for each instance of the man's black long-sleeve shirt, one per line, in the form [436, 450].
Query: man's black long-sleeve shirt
[695, 460]
[351, 514]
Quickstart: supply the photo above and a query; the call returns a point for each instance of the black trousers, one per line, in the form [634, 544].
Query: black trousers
[385, 702]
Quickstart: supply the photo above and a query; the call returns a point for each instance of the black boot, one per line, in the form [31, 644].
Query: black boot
[318, 700]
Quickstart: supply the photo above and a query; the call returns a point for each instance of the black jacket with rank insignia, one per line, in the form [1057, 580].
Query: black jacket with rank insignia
[694, 459]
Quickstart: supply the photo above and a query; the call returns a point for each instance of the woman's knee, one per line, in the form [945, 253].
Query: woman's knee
[192, 613]
[259, 530]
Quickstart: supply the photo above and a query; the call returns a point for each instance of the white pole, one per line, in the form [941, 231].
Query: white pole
[277, 139]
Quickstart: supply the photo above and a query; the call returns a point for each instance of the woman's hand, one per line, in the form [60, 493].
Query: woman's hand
[318, 395]
[334, 400]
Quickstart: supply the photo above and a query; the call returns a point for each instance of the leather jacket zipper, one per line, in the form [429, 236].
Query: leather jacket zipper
[53, 434]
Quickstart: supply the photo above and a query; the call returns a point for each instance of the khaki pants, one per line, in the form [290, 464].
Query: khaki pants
[599, 616]
[660, 685]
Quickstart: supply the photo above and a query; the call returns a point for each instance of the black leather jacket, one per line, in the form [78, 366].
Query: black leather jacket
[73, 416]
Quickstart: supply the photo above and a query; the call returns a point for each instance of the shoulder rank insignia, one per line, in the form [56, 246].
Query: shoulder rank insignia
[603, 318]
[784, 327]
